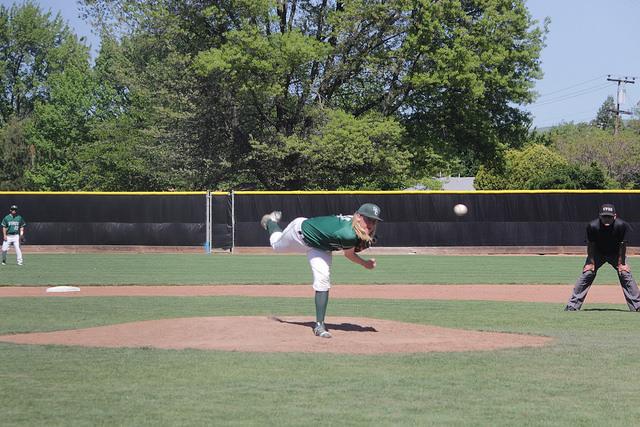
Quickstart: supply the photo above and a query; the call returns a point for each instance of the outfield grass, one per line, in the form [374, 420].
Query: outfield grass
[585, 378]
[199, 269]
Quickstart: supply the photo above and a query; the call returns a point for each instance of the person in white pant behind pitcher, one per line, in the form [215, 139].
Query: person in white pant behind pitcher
[12, 232]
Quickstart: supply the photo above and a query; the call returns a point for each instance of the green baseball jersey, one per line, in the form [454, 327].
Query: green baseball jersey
[13, 223]
[329, 233]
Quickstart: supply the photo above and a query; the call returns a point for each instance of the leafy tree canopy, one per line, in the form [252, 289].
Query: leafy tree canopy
[33, 46]
[259, 75]
[44, 70]
[606, 118]
[618, 156]
[264, 94]
[538, 167]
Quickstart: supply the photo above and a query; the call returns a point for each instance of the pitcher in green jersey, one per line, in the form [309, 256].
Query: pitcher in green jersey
[318, 237]
[12, 231]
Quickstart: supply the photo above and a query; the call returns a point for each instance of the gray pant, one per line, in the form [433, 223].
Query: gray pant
[629, 285]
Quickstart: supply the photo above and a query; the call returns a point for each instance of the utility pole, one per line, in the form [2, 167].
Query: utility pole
[618, 111]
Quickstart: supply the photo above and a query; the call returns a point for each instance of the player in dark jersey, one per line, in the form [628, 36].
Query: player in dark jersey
[318, 237]
[606, 243]
[12, 232]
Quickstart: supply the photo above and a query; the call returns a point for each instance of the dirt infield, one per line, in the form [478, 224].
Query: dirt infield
[525, 293]
[350, 335]
[260, 250]
[285, 334]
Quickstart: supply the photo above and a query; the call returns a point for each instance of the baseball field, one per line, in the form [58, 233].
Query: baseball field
[196, 339]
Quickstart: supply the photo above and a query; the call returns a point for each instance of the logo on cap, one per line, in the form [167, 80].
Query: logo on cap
[607, 210]
[370, 210]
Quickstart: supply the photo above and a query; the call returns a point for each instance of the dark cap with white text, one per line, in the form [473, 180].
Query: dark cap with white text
[607, 210]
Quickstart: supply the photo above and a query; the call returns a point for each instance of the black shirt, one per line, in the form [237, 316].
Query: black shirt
[607, 239]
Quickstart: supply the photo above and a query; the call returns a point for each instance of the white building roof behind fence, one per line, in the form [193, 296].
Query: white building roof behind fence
[452, 183]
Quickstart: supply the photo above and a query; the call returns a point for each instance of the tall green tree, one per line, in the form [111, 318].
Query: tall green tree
[59, 127]
[605, 117]
[618, 155]
[537, 167]
[151, 112]
[261, 73]
[33, 45]
[344, 152]
[133, 145]
[43, 101]
[15, 154]
[475, 61]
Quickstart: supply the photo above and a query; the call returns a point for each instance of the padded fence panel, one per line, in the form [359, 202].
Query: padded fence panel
[411, 219]
[111, 219]
[221, 217]
[427, 219]
[249, 208]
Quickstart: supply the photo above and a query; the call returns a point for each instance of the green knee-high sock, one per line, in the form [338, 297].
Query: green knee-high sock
[322, 299]
[272, 227]
[4, 256]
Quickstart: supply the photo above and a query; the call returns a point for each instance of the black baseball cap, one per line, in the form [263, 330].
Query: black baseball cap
[13, 208]
[370, 211]
[607, 210]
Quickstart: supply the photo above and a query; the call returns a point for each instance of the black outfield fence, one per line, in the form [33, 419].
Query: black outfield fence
[148, 219]
[523, 218]
[221, 222]
[224, 220]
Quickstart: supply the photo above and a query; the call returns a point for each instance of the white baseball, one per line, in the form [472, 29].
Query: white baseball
[460, 209]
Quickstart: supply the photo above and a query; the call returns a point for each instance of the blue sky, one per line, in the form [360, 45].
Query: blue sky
[587, 40]
[70, 12]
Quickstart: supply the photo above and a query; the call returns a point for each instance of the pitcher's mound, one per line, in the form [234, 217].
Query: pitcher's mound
[282, 334]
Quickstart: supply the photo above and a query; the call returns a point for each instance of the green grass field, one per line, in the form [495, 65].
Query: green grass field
[584, 378]
[199, 269]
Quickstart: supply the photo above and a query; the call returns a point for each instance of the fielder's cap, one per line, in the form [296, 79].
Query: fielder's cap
[13, 208]
[370, 211]
[607, 210]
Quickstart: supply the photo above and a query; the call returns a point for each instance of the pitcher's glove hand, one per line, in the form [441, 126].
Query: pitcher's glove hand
[362, 245]
[23, 240]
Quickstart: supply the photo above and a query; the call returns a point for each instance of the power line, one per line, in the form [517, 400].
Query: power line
[570, 95]
[572, 86]
[579, 114]
[575, 94]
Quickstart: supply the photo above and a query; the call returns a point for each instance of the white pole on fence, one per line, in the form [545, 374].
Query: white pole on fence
[209, 220]
[233, 220]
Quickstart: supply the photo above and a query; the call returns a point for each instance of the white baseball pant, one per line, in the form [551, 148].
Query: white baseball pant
[15, 240]
[290, 240]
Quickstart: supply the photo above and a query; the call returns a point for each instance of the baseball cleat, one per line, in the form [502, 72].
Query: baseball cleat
[321, 331]
[274, 216]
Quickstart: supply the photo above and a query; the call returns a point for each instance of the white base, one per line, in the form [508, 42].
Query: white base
[63, 289]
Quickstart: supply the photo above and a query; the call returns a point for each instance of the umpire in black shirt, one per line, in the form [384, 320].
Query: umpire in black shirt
[605, 243]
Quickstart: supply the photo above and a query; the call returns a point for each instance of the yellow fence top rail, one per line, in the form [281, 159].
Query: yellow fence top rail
[443, 192]
[110, 193]
[301, 192]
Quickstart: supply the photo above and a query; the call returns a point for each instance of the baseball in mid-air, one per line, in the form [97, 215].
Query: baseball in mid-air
[460, 209]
